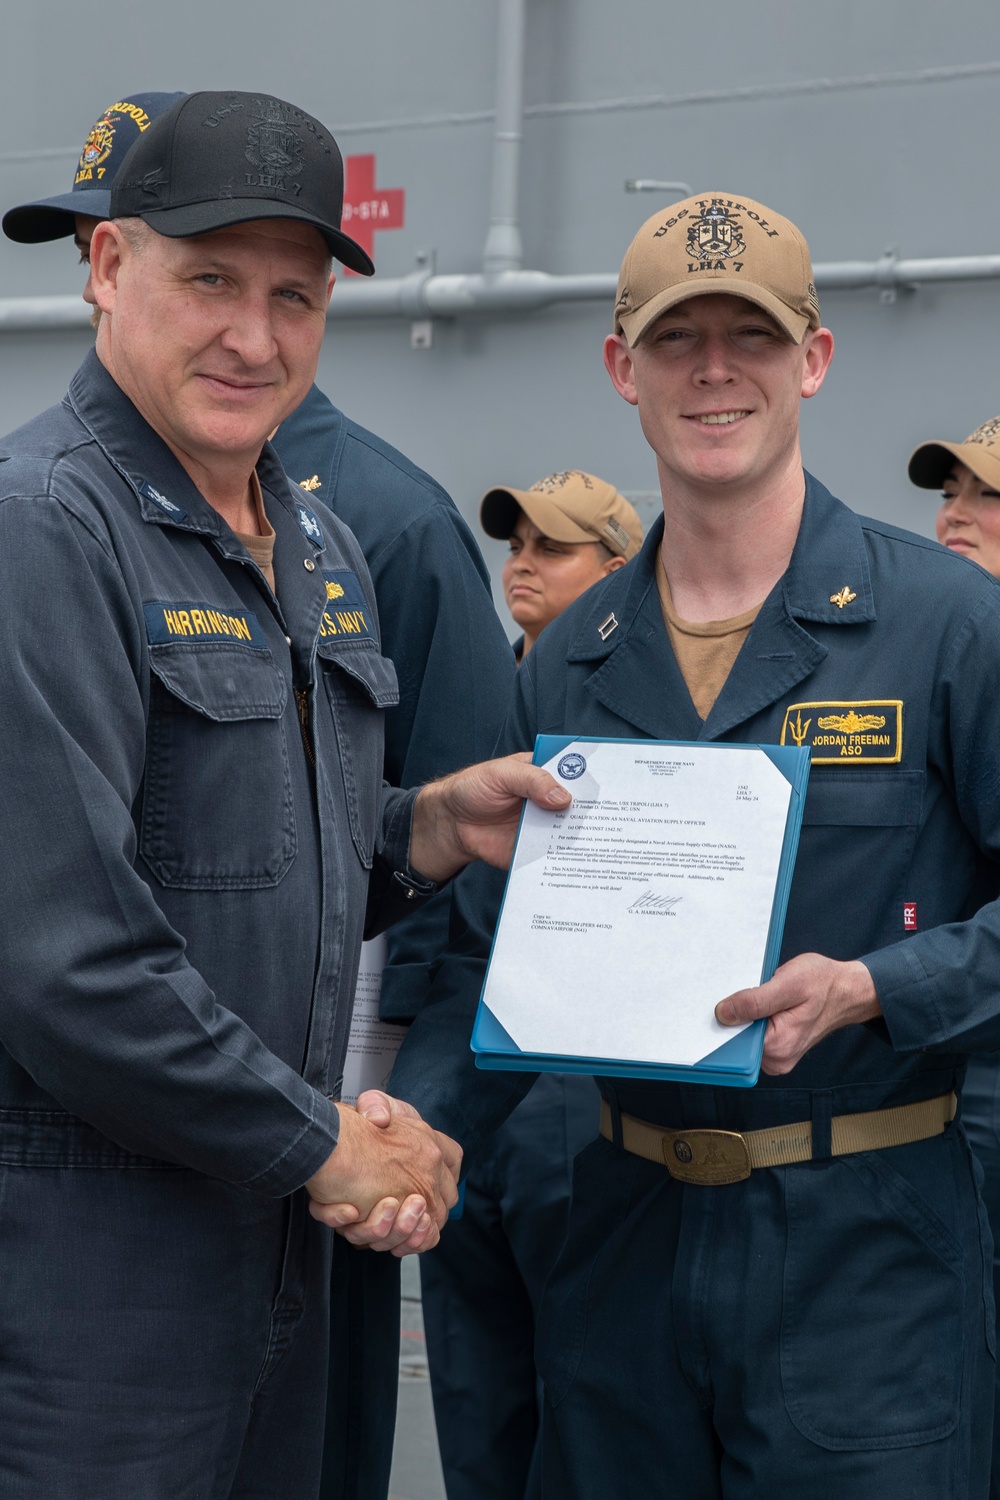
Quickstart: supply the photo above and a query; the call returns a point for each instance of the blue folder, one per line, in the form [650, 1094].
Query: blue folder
[737, 1062]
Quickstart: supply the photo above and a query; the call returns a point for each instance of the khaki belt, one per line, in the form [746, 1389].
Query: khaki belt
[713, 1157]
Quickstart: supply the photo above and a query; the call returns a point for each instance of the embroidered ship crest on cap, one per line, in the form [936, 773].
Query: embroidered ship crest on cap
[715, 232]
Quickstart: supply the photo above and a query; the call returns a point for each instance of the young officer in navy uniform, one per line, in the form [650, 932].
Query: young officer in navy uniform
[816, 1315]
[197, 838]
[482, 1285]
[441, 632]
[967, 475]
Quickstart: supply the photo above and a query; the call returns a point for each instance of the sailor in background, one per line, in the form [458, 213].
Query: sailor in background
[442, 633]
[566, 533]
[482, 1285]
[968, 523]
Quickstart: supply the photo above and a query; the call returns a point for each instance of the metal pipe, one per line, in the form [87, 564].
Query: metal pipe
[850, 275]
[34, 314]
[423, 295]
[653, 185]
[503, 250]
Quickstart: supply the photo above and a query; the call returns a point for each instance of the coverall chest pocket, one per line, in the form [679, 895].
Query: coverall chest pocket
[863, 799]
[859, 831]
[359, 684]
[217, 811]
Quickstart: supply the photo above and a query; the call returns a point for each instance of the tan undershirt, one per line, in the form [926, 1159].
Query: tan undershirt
[705, 653]
[260, 548]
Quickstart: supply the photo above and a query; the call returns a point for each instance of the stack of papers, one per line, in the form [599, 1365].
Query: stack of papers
[373, 1043]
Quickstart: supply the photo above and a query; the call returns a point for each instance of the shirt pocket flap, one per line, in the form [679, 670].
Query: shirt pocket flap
[375, 674]
[864, 799]
[224, 682]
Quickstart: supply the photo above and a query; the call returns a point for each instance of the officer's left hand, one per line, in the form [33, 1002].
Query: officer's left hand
[473, 814]
[809, 997]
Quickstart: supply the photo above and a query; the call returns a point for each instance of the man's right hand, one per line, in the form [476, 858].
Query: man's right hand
[390, 1181]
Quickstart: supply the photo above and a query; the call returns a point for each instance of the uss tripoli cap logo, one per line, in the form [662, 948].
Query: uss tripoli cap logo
[723, 243]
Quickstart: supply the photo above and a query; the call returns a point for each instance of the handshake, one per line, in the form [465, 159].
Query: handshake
[390, 1181]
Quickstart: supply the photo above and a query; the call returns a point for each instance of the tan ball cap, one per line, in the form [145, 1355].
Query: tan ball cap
[570, 506]
[931, 463]
[717, 242]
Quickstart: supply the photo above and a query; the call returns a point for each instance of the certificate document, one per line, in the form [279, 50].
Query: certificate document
[373, 1043]
[658, 892]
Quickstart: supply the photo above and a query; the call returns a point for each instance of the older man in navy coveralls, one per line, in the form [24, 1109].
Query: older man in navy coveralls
[822, 1326]
[194, 827]
[453, 666]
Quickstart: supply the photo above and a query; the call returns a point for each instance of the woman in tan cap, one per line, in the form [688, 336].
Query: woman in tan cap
[566, 532]
[968, 476]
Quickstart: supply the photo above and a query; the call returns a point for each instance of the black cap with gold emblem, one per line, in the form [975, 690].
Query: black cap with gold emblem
[220, 159]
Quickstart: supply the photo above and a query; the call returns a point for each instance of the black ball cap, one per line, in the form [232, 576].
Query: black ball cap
[219, 159]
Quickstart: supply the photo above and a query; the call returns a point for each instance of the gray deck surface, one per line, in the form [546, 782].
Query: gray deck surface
[416, 1468]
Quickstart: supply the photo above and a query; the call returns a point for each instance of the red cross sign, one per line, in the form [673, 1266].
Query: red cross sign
[366, 207]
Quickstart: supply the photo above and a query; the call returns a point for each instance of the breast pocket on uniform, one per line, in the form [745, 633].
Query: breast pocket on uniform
[863, 799]
[859, 831]
[359, 684]
[217, 810]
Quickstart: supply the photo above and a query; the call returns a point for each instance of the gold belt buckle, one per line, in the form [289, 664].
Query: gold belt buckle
[709, 1158]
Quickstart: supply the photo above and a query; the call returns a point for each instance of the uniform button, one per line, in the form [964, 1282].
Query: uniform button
[309, 565]
[410, 893]
[288, 640]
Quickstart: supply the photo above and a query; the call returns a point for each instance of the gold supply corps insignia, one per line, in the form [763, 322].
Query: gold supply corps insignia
[838, 734]
[844, 597]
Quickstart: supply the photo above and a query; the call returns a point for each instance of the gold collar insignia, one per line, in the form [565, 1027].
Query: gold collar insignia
[844, 597]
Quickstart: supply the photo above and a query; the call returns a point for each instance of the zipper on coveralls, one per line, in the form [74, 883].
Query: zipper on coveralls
[302, 703]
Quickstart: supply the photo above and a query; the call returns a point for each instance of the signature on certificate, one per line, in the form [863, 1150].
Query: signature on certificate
[650, 901]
